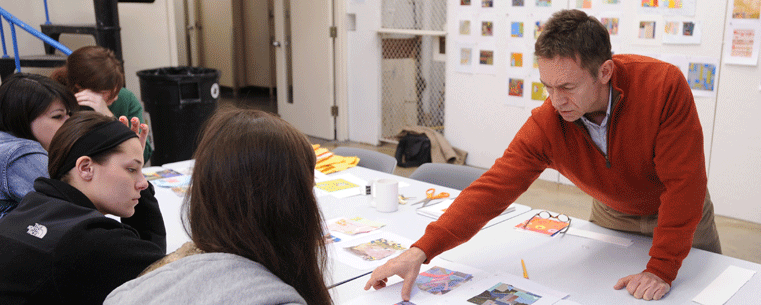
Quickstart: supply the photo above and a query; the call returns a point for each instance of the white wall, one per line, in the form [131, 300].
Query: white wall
[735, 177]
[147, 31]
[364, 71]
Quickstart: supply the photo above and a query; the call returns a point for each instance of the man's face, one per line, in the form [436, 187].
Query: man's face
[572, 89]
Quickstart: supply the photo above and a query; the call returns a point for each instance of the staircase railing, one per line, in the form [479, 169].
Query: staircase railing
[13, 21]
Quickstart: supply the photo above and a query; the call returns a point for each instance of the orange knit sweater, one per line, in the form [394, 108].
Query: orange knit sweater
[655, 164]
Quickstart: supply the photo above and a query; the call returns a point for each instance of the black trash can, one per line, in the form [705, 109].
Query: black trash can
[179, 100]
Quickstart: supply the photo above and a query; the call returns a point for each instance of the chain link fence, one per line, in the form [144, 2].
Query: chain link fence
[413, 65]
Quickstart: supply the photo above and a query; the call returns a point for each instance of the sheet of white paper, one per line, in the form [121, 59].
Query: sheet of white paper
[625, 242]
[725, 286]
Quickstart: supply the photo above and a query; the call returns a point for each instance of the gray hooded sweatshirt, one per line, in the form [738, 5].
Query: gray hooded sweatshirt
[207, 278]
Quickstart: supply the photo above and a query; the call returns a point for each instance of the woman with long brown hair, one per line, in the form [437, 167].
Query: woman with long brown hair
[253, 217]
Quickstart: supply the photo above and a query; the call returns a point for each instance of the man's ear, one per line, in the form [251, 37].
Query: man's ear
[84, 168]
[606, 71]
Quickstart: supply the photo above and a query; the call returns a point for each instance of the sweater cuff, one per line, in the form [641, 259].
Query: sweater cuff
[666, 270]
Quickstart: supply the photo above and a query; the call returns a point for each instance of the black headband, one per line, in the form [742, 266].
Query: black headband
[98, 140]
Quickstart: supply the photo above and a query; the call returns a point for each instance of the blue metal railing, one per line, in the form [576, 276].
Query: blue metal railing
[13, 22]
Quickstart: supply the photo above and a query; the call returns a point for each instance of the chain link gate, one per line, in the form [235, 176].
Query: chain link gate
[413, 65]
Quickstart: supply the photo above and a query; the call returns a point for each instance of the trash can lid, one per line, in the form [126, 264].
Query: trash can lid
[177, 73]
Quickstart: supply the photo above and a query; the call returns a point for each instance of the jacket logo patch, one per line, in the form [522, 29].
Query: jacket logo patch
[37, 230]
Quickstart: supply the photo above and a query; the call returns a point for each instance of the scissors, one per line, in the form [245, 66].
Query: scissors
[429, 194]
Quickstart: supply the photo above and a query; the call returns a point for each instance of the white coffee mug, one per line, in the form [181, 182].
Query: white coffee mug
[386, 195]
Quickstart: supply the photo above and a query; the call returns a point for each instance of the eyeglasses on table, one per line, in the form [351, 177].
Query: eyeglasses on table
[548, 215]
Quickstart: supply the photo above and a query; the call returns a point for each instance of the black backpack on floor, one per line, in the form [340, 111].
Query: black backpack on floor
[413, 150]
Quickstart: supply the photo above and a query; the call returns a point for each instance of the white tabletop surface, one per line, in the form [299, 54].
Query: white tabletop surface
[584, 268]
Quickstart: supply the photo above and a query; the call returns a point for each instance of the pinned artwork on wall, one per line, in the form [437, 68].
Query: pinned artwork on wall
[701, 75]
[465, 55]
[742, 42]
[668, 7]
[682, 31]
[746, 9]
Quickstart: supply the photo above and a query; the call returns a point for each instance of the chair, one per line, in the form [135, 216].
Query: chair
[368, 158]
[449, 175]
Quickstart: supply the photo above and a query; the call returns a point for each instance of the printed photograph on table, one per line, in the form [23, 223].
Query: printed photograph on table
[746, 9]
[487, 3]
[464, 2]
[519, 3]
[354, 225]
[376, 249]
[166, 173]
[404, 303]
[335, 185]
[504, 294]
[438, 280]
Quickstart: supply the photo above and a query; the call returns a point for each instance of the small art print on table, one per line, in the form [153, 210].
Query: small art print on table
[335, 185]
[547, 226]
[504, 294]
[355, 225]
[376, 250]
[438, 280]
[161, 174]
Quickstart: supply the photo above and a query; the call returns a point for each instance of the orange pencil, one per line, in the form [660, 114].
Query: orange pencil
[523, 264]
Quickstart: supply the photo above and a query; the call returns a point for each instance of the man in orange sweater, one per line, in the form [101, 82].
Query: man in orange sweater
[622, 128]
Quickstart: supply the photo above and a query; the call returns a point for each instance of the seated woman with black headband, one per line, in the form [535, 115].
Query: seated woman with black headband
[57, 245]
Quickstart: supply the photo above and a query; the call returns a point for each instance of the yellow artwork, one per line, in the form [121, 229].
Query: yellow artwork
[335, 185]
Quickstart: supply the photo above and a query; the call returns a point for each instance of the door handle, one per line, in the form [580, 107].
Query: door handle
[276, 44]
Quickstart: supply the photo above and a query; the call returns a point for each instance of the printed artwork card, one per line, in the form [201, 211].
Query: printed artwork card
[546, 226]
[160, 174]
[335, 185]
[376, 249]
[505, 294]
[178, 181]
[354, 225]
[438, 280]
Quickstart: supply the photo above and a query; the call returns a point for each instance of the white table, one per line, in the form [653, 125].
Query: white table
[584, 268]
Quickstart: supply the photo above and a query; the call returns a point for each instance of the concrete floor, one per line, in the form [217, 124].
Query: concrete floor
[739, 239]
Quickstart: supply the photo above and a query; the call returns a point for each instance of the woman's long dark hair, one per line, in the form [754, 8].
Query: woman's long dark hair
[251, 195]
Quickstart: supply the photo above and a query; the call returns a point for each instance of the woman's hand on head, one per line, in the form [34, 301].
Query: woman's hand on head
[140, 129]
[94, 100]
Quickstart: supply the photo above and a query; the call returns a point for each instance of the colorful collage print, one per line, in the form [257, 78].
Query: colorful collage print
[376, 250]
[504, 294]
[438, 280]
